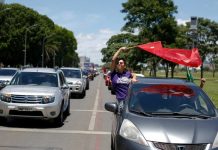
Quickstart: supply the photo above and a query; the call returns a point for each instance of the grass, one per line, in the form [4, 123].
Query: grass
[210, 87]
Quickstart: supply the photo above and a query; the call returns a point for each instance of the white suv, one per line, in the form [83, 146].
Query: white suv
[75, 80]
[36, 93]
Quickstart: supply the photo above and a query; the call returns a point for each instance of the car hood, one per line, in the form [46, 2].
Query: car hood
[176, 130]
[5, 78]
[29, 90]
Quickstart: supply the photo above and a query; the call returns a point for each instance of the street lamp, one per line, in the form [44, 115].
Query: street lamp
[43, 46]
[25, 45]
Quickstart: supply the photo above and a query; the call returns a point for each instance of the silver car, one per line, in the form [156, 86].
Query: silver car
[75, 80]
[6, 74]
[36, 93]
[164, 114]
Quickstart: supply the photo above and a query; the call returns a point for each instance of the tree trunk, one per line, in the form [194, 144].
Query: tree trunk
[202, 71]
[167, 70]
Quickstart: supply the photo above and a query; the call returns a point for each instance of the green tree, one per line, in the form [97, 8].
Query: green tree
[154, 21]
[23, 28]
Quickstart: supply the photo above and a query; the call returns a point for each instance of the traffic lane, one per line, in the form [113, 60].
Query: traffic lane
[53, 141]
[87, 102]
[75, 126]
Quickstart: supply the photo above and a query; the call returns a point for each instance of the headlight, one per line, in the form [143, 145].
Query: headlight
[129, 131]
[5, 97]
[78, 83]
[48, 99]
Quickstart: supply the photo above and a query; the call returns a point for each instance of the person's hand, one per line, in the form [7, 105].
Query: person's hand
[203, 80]
[123, 49]
[133, 80]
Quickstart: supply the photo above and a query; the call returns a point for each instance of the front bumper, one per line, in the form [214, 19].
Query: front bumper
[43, 111]
[125, 144]
[76, 89]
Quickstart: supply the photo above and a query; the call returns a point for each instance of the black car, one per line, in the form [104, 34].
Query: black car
[164, 114]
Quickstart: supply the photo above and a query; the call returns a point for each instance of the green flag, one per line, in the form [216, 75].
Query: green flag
[189, 75]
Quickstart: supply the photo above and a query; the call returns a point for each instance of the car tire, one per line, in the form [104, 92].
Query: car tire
[3, 120]
[112, 144]
[83, 94]
[58, 121]
[67, 112]
[87, 86]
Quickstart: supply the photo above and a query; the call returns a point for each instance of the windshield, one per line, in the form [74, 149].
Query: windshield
[35, 78]
[69, 73]
[7, 72]
[170, 99]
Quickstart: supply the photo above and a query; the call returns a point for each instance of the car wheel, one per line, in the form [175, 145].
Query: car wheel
[83, 94]
[87, 86]
[3, 120]
[60, 118]
[67, 112]
[112, 144]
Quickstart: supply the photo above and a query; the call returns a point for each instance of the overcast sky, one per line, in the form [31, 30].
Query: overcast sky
[93, 22]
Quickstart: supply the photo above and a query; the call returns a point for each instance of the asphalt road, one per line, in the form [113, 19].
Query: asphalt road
[87, 128]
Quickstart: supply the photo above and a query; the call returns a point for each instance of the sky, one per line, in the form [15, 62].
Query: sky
[93, 22]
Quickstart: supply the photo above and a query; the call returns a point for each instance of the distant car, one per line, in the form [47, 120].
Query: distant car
[36, 93]
[139, 75]
[86, 76]
[108, 79]
[75, 80]
[6, 74]
[164, 114]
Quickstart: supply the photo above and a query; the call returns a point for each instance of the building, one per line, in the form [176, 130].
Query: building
[83, 59]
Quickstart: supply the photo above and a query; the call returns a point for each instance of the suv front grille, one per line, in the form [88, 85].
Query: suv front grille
[168, 146]
[30, 99]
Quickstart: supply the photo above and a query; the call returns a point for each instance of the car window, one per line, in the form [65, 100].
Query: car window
[170, 98]
[7, 72]
[61, 78]
[35, 78]
[70, 73]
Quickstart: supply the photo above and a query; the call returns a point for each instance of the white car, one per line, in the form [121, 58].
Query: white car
[75, 80]
[36, 93]
[6, 74]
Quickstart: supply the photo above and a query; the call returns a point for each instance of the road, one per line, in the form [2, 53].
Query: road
[87, 128]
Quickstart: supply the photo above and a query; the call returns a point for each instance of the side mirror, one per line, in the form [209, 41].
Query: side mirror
[111, 106]
[4, 84]
[65, 86]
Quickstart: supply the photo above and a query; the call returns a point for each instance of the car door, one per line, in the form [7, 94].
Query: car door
[64, 89]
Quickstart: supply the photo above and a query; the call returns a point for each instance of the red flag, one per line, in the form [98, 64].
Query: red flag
[185, 57]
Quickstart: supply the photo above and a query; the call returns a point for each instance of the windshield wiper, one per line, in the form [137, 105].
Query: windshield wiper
[142, 113]
[178, 114]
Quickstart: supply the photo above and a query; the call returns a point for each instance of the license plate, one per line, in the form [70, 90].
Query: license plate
[25, 109]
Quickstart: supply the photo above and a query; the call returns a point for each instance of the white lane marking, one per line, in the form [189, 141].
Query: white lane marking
[92, 121]
[56, 131]
[86, 110]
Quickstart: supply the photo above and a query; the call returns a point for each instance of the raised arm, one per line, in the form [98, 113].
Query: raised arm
[113, 63]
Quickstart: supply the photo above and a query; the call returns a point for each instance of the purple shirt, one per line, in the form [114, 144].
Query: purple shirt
[120, 82]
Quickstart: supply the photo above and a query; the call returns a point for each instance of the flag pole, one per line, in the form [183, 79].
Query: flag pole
[132, 47]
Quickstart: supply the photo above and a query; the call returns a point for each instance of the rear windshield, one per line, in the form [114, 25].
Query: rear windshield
[69, 73]
[170, 98]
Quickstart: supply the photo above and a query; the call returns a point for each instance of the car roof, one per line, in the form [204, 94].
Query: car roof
[45, 70]
[9, 68]
[173, 81]
[71, 68]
